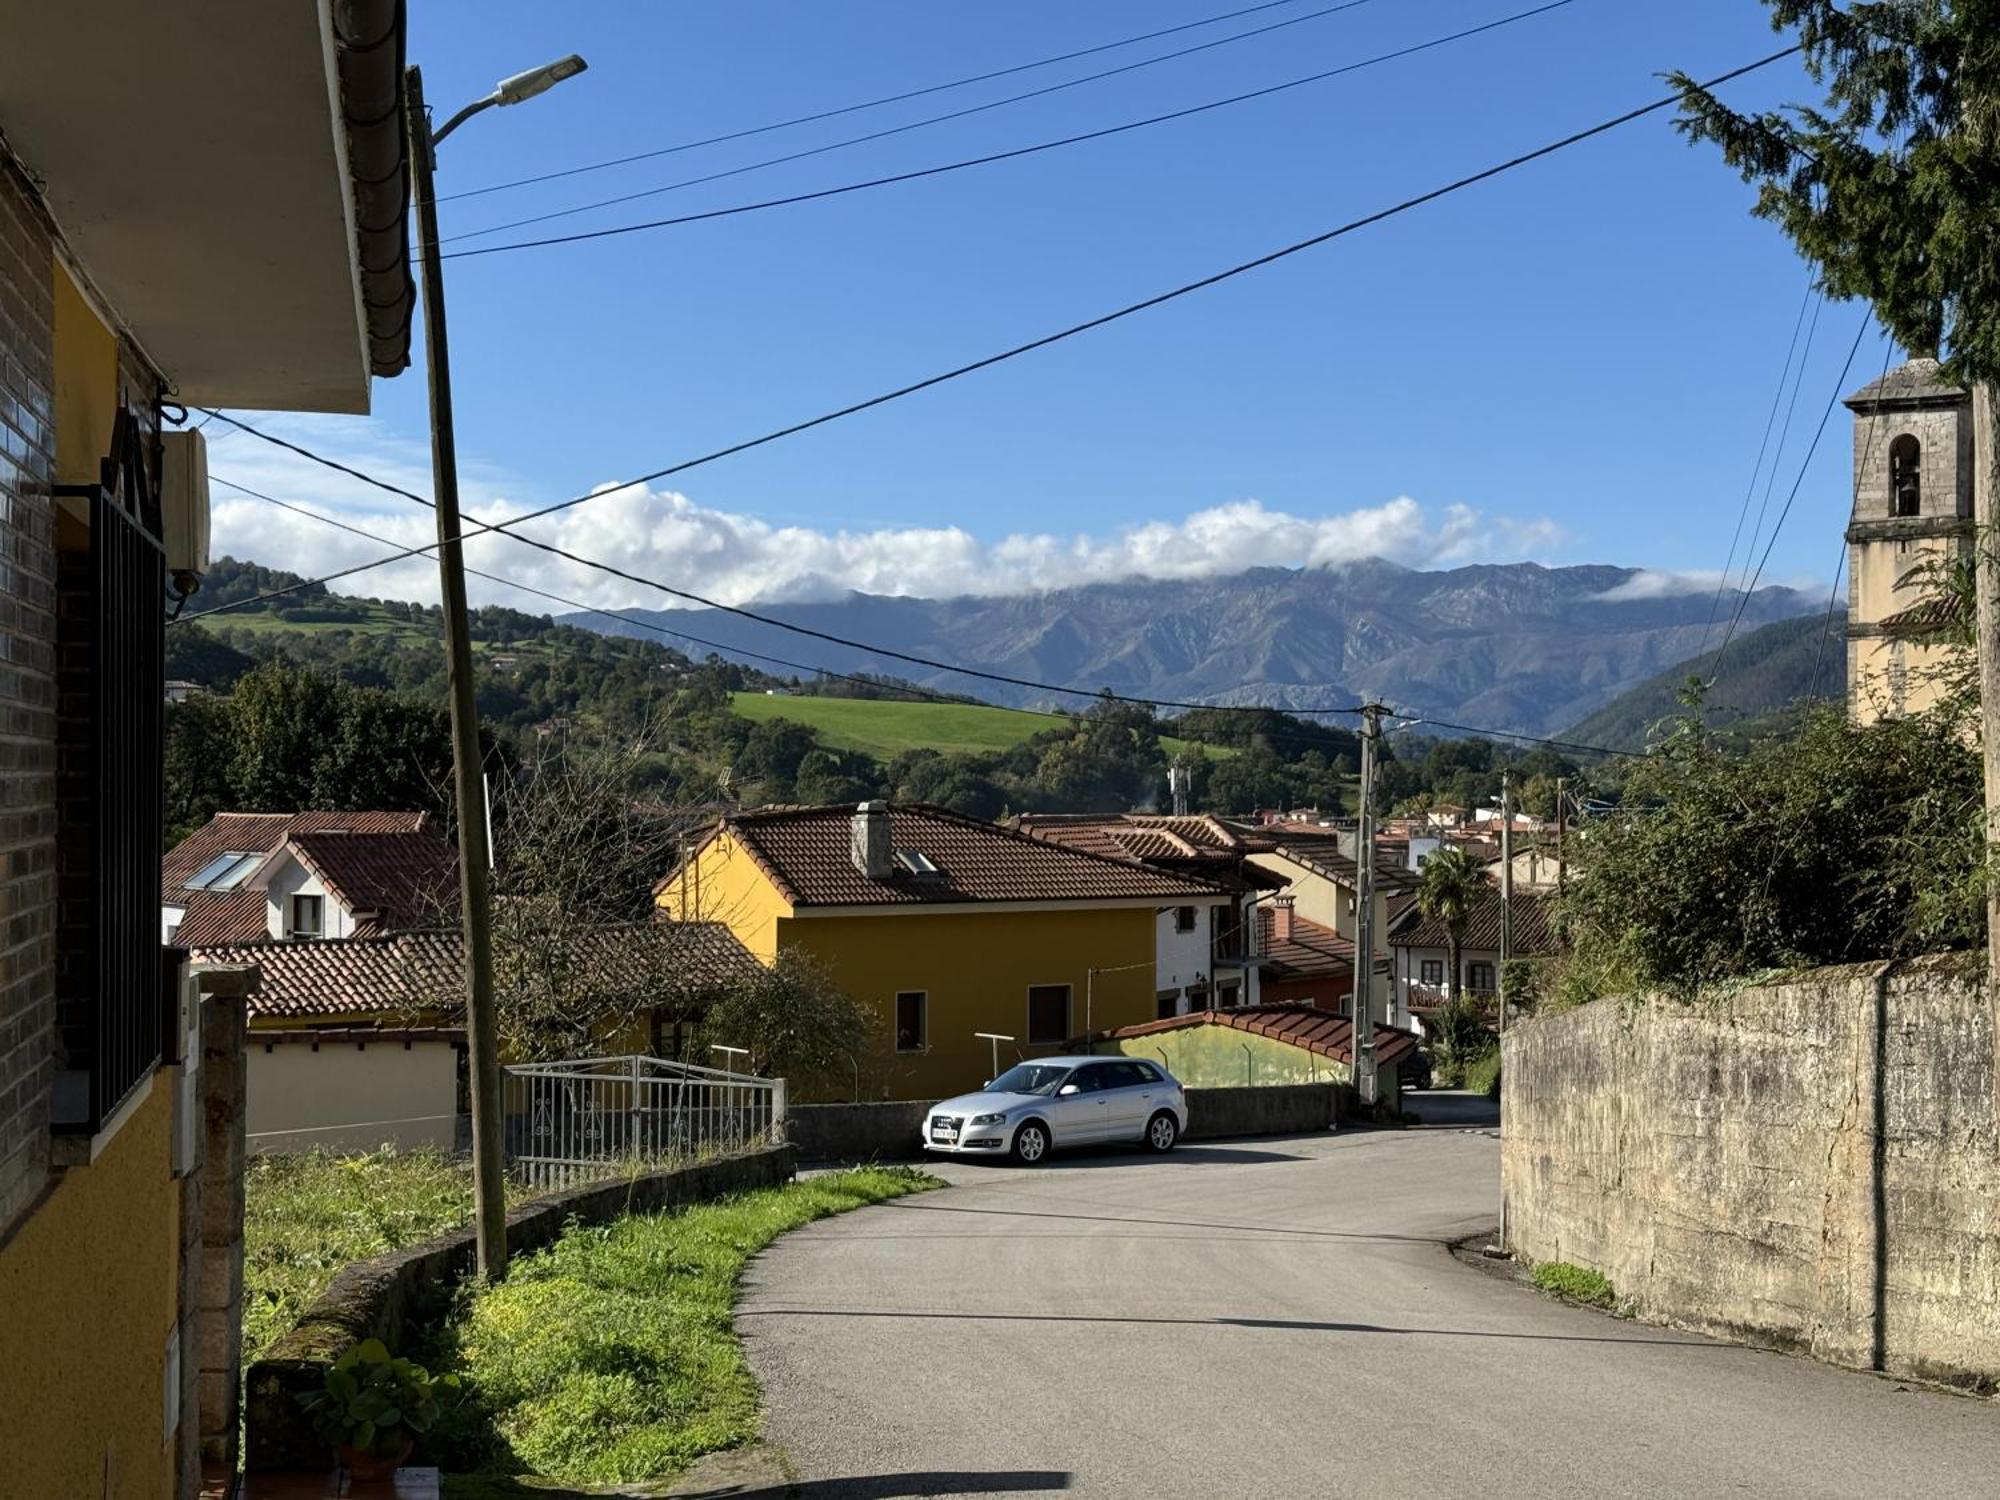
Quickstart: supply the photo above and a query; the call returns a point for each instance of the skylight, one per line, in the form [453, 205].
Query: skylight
[226, 871]
[919, 864]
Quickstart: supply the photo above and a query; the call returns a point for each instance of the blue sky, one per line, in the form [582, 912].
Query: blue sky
[1572, 363]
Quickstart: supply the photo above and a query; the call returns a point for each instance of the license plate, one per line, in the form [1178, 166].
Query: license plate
[945, 1134]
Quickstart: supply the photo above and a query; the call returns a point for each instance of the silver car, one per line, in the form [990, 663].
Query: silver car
[1037, 1106]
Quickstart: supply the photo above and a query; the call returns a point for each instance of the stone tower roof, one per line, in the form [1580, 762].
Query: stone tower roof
[1915, 383]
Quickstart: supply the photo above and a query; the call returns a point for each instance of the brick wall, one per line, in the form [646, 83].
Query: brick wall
[27, 700]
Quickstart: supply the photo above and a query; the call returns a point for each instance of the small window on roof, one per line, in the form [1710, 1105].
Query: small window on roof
[919, 864]
[225, 872]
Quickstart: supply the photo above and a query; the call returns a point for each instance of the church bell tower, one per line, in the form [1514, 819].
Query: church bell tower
[1913, 475]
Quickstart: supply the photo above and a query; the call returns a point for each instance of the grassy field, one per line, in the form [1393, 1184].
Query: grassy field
[884, 728]
[306, 1216]
[612, 1356]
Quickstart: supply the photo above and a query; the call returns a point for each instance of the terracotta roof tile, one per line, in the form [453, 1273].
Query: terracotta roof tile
[1533, 935]
[401, 974]
[237, 916]
[390, 880]
[805, 852]
[1317, 1031]
[1312, 950]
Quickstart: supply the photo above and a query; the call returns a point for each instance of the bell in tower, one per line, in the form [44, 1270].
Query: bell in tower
[1912, 515]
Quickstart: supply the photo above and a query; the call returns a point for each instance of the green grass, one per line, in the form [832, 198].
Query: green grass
[1574, 1283]
[307, 1216]
[884, 728]
[612, 1356]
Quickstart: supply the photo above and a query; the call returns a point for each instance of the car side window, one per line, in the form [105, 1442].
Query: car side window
[1125, 1075]
[1089, 1080]
[1146, 1071]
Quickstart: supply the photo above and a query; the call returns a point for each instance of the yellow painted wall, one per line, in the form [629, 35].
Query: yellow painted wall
[90, 1287]
[86, 384]
[723, 884]
[976, 968]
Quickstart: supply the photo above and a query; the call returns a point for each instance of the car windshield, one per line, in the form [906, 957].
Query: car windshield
[1030, 1078]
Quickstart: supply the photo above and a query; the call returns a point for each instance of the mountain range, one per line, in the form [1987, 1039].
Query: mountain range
[1514, 647]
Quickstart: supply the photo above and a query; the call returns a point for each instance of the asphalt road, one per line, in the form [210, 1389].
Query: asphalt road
[1279, 1318]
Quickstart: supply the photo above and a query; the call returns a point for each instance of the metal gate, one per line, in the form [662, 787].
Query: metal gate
[570, 1122]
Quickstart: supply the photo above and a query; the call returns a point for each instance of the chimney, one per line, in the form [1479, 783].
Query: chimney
[868, 845]
[1281, 918]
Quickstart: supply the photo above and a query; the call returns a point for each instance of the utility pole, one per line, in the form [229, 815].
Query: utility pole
[474, 903]
[1506, 889]
[1364, 911]
[489, 1193]
[1562, 827]
[1986, 573]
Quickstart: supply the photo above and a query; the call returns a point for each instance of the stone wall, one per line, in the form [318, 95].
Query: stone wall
[1812, 1165]
[386, 1297]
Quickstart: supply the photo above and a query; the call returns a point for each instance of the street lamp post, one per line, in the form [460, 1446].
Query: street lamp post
[489, 1194]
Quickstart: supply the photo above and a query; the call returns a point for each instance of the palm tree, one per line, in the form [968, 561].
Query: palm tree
[1449, 887]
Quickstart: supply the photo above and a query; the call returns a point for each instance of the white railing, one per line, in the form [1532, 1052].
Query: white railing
[572, 1121]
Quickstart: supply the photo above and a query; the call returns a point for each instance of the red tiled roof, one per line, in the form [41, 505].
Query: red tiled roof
[402, 975]
[1321, 852]
[1315, 1030]
[1532, 935]
[1312, 950]
[237, 916]
[388, 880]
[805, 853]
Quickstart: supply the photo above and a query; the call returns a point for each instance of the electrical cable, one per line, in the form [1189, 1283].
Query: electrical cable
[828, 114]
[1861, 470]
[922, 172]
[1743, 599]
[1059, 336]
[1770, 421]
[1784, 437]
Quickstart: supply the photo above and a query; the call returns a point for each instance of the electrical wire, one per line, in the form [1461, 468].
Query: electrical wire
[1784, 437]
[1770, 421]
[1413, 721]
[1049, 339]
[1805, 463]
[978, 161]
[1861, 470]
[938, 88]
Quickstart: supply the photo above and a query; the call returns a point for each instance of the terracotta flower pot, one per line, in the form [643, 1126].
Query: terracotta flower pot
[375, 1465]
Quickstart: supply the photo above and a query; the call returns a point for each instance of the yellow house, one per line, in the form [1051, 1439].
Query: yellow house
[193, 211]
[952, 931]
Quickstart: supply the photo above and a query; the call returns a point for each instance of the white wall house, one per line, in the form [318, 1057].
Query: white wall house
[343, 1091]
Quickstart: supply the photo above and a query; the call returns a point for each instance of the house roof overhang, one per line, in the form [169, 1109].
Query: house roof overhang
[220, 174]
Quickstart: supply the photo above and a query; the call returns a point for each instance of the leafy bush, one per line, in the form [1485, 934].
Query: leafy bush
[1575, 1283]
[611, 1356]
[1840, 844]
[1482, 1073]
[374, 1402]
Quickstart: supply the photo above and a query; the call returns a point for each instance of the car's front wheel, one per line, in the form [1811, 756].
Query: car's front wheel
[1031, 1143]
[1161, 1133]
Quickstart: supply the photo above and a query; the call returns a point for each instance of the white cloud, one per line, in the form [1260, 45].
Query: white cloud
[1663, 583]
[737, 558]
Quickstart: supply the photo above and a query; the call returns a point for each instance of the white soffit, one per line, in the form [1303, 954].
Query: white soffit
[194, 158]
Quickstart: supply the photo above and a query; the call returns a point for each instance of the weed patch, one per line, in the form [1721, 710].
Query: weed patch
[611, 1356]
[1574, 1283]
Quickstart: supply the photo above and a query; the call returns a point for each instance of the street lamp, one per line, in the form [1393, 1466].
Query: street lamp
[488, 1191]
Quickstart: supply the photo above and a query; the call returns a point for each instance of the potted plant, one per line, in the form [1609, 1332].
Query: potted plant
[373, 1407]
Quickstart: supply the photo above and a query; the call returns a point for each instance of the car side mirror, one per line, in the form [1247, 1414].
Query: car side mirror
[1066, 1089]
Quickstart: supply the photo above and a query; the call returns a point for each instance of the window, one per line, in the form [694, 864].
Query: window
[225, 872]
[1147, 1072]
[1183, 919]
[1124, 1075]
[1226, 996]
[1048, 1013]
[308, 917]
[1091, 1080]
[1432, 971]
[1169, 1006]
[918, 864]
[1905, 479]
[1479, 976]
[910, 1019]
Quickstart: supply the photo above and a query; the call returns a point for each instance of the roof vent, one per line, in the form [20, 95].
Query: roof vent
[868, 841]
[918, 864]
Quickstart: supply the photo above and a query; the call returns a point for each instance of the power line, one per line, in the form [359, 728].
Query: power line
[955, 166]
[1770, 421]
[1046, 340]
[939, 88]
[1784, 437]
[1805, 463]
[1861, 470]
[1414, 720]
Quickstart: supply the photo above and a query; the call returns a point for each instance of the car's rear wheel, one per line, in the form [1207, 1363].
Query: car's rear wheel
[1031, 1143]
[1161, 1133]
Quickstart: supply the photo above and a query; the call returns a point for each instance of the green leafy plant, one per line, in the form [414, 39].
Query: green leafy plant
[1574, 1283]
[375, 1402]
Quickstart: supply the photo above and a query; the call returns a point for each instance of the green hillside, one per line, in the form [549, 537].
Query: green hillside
[884, 728]
[1766, 676]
